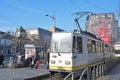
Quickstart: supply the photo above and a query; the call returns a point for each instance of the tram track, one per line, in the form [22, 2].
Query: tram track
[57, 76]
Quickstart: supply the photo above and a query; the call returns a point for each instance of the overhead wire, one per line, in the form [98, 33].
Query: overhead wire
[76, 5]
[96, 6]
[77, 15]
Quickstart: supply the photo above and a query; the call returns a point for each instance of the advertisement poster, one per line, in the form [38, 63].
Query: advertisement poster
[29, 52]
[102, 28]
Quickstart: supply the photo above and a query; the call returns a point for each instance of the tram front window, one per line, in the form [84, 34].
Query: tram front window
[61, 43]
[117, 51]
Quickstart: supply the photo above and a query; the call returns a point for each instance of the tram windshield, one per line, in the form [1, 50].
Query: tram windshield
[117, 51]
[61, 42]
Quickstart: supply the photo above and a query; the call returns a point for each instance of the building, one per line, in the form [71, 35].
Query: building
[118, 33]
[104, 26]
[55, 29]
[39, 36]
[5, 43]
[37, 41]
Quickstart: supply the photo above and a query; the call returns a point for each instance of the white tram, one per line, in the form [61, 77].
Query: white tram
[74, 51]
[117, 49]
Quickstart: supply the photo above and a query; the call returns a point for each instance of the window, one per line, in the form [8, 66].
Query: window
[61, 43]
[77, 44]
[98, 45]
[91, 46]
[101, 47]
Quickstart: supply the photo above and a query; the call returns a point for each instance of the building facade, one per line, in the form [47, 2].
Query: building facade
[5, 43]
[104, 26]
[39, 36]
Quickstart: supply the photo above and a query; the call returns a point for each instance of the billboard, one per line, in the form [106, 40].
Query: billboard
[101, 27]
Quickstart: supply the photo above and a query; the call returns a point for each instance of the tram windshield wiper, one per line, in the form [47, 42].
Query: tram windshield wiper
[59, 54]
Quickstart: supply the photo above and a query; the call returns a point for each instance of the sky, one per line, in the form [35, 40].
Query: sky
[31, 13]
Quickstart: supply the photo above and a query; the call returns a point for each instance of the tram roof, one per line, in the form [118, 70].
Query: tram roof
[87, 34]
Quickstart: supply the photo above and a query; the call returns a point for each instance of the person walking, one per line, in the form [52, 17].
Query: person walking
[47, 59]
[11, 63]
[36, 60]
[19, 57]
[37, 63]
[32, 62]
[1, 60]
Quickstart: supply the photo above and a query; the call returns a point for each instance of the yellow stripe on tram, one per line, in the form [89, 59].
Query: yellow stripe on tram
[74, 67]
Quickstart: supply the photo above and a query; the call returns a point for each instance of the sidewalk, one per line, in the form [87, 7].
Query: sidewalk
[23, 73]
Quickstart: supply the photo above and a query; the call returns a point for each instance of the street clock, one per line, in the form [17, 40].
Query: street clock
[20, 33]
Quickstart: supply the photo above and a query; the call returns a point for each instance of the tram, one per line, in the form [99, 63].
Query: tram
[74, 51]
[117, 49]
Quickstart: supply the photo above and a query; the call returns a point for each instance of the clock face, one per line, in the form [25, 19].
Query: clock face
[18, 34]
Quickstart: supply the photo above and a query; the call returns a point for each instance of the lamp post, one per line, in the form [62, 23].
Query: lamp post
[20, 34]
[52, 17]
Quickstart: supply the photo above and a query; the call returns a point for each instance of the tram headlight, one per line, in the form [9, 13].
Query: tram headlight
[67, 62]
[52, 61]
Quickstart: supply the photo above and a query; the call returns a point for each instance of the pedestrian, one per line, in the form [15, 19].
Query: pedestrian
[37, 63]
[47, 59]
[36, 60]
[11, 63]
[1, 60]
[32, 62]
[19, 58]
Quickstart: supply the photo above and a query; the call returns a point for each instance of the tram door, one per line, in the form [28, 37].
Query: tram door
[77, 50]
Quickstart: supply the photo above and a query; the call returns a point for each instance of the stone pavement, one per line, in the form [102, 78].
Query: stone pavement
[22, 73]
[113, 73]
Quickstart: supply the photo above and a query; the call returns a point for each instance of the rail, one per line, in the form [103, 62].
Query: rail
[69, 75]
[83, 73]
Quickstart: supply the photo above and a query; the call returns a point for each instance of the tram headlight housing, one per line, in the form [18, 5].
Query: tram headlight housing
[52, 61]
[67, 62]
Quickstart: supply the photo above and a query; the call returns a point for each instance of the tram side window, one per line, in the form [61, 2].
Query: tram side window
[98, 45]
[91, 46]
[105, 48]
[77, 44]
[101, 47]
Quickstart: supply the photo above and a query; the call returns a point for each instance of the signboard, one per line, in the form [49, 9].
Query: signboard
[29, 52]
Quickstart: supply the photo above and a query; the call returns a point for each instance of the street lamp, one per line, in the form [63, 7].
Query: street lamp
[52, 17]
[20, 34]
